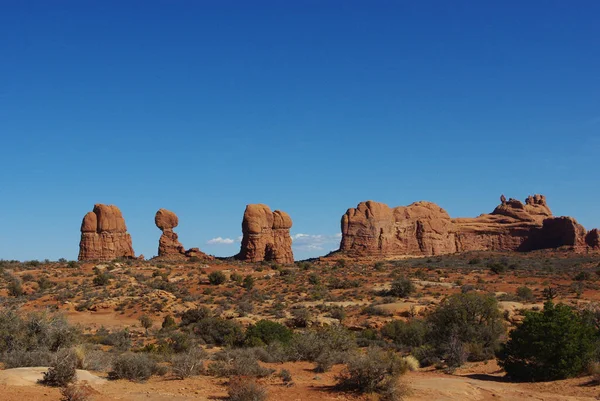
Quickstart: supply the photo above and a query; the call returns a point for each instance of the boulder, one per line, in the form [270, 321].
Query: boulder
[104, 235]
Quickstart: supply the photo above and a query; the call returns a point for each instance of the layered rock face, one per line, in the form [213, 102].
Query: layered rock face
[169, 246]
[423, 228]
[104, 235]
[266, 235]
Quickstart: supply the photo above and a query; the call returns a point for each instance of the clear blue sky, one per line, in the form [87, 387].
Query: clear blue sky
[202, 107]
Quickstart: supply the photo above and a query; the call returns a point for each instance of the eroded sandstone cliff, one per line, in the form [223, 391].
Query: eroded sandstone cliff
[424, 228]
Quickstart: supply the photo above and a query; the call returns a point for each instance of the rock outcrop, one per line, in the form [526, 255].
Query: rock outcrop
[169, 246]
[424, 228]
[266, 235]
[104, 235]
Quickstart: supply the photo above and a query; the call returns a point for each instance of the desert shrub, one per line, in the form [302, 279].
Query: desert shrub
[168, 323]
[301, 317]
[338, 312]
[217, 278]
[135, 367]
[15, 287]
[76, 392]
[179, 342]
[192, 316]
[20, 358]
[265, 332]
[214, 330]
[583, 276]
[62, 370]
[236, 278]
[553, 344]
[35, 331]
[406, 334]
[285, 376]
[462, 319]
[96, 360]
[189, 364]
[246, 390]
[101, 279]
[371, 372]
[146, 322]
[248, 282]
[237, 362]
[308, 345]
[120, 340]
[402, 287]
[525, 294]
[426, 355]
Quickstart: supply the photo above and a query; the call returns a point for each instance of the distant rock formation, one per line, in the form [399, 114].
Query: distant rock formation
[424, 228]
[169, 246]
[266, 235]
[104, 235]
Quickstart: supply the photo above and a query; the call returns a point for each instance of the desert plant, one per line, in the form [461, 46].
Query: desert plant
[265, 332]
[62, 371]
[146, 322]
[135, 367]
[76, 392]
[525, 294]
[246, 390]
[402, 287]
[189, 364]
[370, 372]
[216, 278]
[553, 344]
[285, 375]
[463, 319]
[411, 333]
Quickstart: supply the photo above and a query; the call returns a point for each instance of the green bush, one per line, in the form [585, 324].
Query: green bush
[217, 278]
[402, 287]
[214, 330]
[553, 344]
[464, 321]
[265, 332]
[371, 372]
[525, 294]
[412, 333]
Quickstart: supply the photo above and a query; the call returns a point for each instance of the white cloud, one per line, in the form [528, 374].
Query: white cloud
[220, 241]
[315, 242]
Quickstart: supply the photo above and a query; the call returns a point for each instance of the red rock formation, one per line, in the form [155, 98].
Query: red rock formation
[169, 246]
[266, 235]
[104, 235]
[423, 228]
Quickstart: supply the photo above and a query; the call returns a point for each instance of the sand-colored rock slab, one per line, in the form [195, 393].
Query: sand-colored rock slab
[31, 376]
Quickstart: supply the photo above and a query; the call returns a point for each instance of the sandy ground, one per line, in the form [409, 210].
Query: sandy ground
[21, 384]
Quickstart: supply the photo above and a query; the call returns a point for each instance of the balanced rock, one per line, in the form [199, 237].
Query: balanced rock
[266, 235]
[424, 228]
[169, 246]
[104, 235]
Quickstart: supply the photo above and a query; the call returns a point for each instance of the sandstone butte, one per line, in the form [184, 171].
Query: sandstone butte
[169, 246]
[424, 228]
[266, 235]
[104, 235]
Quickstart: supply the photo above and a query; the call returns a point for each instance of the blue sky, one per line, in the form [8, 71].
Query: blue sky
[202, 107]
